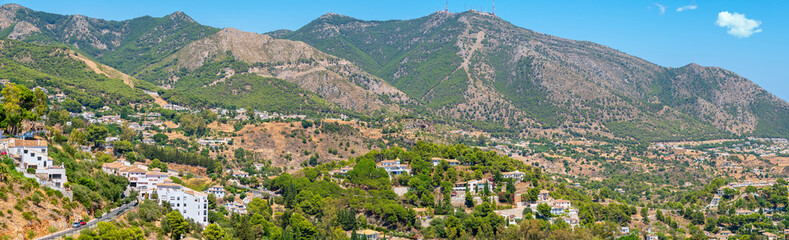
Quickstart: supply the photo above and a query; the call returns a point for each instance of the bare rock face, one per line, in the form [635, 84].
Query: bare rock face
[336, 80]
[22, 30]
[245, 46]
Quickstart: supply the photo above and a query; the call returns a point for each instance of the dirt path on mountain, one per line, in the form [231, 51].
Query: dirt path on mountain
[158, 99]
[97, 69]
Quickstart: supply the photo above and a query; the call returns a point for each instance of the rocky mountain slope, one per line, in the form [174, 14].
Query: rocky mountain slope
[471, 69]
[126, 45]
[477, 67]
[334, 79]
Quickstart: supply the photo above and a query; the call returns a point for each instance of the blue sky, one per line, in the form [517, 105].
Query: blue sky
[669, 38]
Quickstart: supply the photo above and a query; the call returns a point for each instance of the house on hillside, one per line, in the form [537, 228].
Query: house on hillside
[517, 175]
[192, 204]
[393, 167]
[240, 174]
[543, 196]
[368, 234]
[217, 190]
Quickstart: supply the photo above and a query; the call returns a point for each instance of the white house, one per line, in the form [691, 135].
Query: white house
[517, 175]
[240, 174]
[451, 162]
[624, 230]
[33, 154]
[341, 171]
[217, 190]
[544, 195]
[474, 186]
[715, 201]
[192, 204]
[236, 207]
[562, 203]
[393, 167]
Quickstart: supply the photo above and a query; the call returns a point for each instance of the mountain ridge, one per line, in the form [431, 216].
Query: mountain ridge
[566, 75]
[470, 69]
[334, 79]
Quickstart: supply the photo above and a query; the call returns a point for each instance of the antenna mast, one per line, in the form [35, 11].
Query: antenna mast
[446, 5]
[494, 7]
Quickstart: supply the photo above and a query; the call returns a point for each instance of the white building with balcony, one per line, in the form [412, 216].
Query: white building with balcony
[393, 167]
[192, 204]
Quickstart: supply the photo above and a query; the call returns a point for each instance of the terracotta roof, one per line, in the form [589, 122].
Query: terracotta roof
[195, 193]
[27, 143]
[368, 232]
[116, 164]
[131, 169]
[156, 173]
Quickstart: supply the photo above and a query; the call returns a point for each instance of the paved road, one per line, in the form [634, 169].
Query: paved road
[113, 214]
[258, 192]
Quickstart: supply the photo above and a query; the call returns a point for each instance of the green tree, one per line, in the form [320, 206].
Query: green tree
[158, 164]
[192, 125]
[19, 104]
[302, 228]
[160, 138]
[97, 134]
[213, 232]
[208, 115]
[122, 147]
[175, 225]
[78, 137]
[469, 198]
[347, 219]
[259, 206]
[544, 210]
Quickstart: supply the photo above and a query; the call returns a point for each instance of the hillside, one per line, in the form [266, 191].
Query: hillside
[472, 70]
[477, 67]
[126, 45]
[90, 83]
[335, 80]
[31, 210]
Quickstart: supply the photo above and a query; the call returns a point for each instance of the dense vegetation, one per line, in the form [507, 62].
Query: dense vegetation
[54, 67]
[212, 85]
[133, 43]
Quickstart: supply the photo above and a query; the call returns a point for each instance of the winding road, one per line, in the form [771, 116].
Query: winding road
[113, 214]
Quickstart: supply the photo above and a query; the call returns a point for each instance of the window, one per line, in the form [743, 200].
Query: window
[25, 151]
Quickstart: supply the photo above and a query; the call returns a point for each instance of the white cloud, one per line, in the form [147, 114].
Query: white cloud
[738, 25]
[661, 8]
[688, 7]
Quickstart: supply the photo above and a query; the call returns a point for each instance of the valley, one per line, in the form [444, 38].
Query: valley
[446, 126]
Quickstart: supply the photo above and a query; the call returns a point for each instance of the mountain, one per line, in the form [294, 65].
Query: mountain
[126, 45]
[232, 52]
[475, 67]
[471, 70]
[91, 84]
